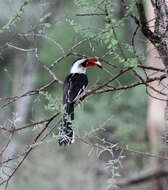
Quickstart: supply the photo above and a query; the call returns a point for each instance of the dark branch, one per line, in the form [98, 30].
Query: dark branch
[144, 24]
[143, 178]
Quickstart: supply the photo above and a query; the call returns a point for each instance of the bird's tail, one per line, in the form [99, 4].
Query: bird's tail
[70, 110]
[66, 132]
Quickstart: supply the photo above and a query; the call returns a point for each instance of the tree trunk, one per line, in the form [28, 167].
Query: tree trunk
[25, 78]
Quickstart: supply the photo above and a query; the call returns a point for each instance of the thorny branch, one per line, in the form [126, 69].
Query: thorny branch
[29, 150]
[157, 38]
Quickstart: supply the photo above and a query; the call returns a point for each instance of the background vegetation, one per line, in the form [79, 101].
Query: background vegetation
[115, 143]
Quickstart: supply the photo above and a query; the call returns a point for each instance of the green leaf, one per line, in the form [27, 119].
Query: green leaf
[110, 181]
[47, 25]
[114, 42]
[117, 175]
[131, 62]
[41, 19]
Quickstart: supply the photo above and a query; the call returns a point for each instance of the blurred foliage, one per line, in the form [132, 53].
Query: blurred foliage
[114, 116]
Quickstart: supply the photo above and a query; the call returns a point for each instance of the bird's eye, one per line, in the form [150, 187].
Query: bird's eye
[84, 64]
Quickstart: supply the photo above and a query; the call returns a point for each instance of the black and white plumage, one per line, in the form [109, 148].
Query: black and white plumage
[73, 89]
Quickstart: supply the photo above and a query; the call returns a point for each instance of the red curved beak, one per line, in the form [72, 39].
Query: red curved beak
[93, 62]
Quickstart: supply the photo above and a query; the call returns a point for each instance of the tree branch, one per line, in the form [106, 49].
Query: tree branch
[145, 177]
[155, 39]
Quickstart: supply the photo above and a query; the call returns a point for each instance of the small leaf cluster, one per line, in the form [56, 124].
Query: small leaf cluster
[114, 166]
[130, 9]
[45, 25]
[78, 28]
[87, 6]
[54, 104]
[14, 19]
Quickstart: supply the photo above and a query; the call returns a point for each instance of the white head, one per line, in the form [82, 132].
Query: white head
[77, 66]
[80, 65]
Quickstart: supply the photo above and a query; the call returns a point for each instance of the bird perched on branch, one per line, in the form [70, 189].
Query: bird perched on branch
[73, 90]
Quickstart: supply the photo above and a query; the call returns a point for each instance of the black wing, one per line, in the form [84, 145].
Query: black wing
[74, 85]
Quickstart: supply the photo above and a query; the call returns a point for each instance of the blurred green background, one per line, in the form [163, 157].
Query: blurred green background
[122, 114]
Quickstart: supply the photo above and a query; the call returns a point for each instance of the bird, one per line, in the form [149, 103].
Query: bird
[74, 88]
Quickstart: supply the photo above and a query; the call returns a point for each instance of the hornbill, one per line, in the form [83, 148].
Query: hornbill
[73, 89]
